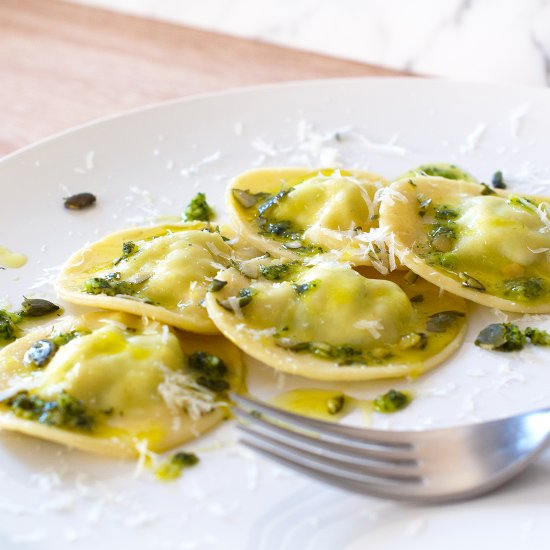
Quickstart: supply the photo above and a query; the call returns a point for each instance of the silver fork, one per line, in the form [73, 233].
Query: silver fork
[421, 466]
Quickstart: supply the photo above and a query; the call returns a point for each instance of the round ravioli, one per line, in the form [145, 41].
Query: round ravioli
[110, 382]
[490, 247]
[162, 272]
[295, 213]
[330, 322]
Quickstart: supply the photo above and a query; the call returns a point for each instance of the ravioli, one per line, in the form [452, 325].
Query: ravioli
[111, 382]
[162, 272]
[297, 213]
[329, 322]
[488, 246]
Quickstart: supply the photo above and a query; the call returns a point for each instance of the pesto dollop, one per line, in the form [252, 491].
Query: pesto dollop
[65, 411]
[198, 209]
[392, 401]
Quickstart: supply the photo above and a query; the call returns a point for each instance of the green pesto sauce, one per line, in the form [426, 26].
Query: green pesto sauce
[129, 249]
[8, 326]
[285, 231]
[172, 468]
[442, 170]
[392, 401]
[198, 209]
[110, 285]
[65, 411]
[278, 271]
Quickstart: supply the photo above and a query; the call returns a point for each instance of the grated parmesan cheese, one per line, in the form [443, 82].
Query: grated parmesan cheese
[374, 326]
[181, 393]
[473, 138]
[233, 302]
[516, 118]
[216, 251]
[90, 160]
[540, 211]
[389, 148]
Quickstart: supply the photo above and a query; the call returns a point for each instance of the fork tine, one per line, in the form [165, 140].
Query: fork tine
[375, 440]
[291, 434]
[331, 457]
[364, 484]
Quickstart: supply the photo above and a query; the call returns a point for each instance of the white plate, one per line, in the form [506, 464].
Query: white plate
[151, 162]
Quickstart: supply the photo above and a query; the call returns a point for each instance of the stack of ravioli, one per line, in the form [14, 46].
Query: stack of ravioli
[330, 274]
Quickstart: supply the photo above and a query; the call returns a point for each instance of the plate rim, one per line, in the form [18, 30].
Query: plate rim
[237, 90]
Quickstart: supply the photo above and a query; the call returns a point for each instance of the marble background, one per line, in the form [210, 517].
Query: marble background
[480, 40]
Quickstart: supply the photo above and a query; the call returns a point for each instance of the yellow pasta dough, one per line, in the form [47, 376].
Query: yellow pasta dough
[112, 382]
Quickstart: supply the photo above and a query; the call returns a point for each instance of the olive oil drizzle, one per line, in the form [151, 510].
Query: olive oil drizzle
[333, 405]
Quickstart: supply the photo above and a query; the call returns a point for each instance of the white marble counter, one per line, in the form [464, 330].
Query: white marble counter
[482, 40]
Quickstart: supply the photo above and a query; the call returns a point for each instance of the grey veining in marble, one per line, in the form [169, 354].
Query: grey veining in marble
[482, 40]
